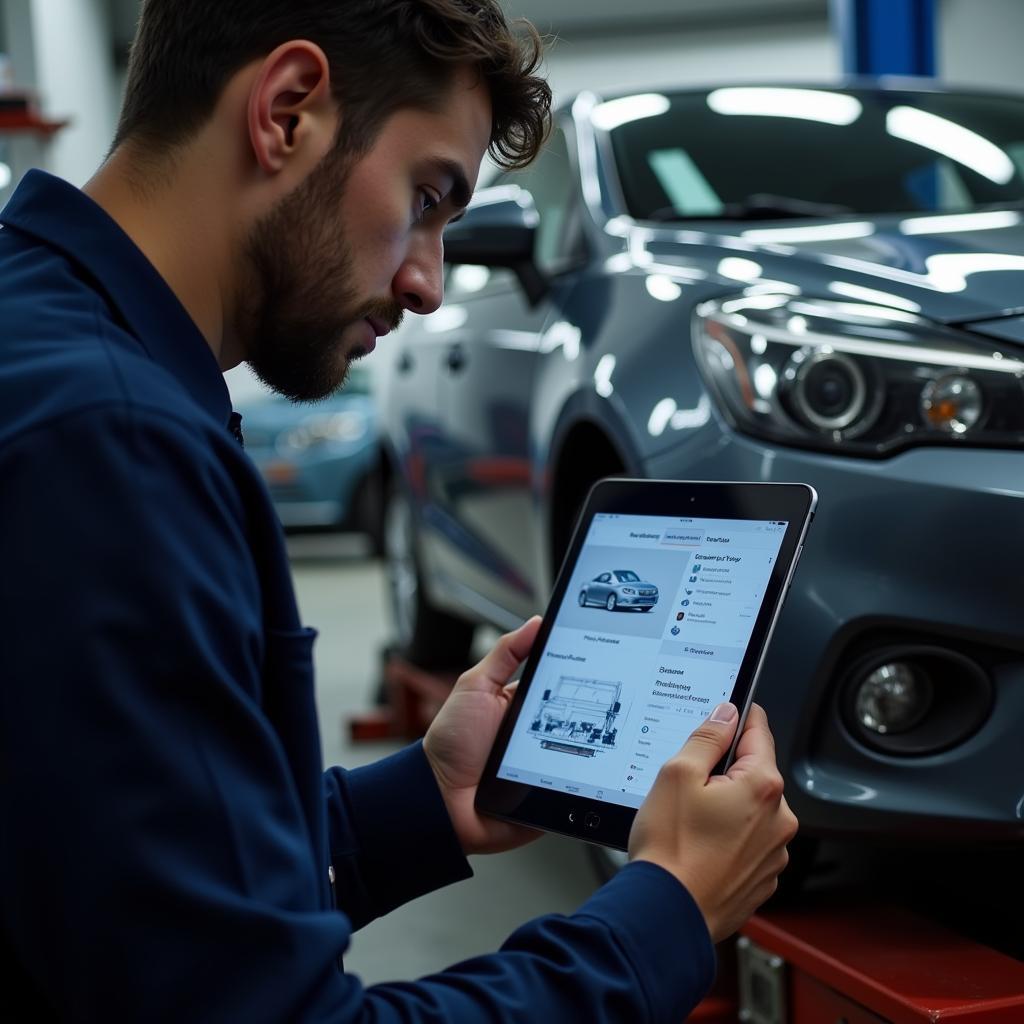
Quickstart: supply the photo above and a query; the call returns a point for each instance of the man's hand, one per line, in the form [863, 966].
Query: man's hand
[461, 736]
[723, 837]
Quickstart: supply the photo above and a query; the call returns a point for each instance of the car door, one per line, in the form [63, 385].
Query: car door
[490, 360]
[407, 391]
[599, 590]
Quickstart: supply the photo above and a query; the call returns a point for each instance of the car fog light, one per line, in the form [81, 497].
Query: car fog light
[952, 404]
[893, 698]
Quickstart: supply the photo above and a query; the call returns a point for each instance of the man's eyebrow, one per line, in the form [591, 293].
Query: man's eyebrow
[460, 193]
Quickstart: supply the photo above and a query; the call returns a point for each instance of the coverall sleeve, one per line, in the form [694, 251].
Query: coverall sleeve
[390, 835]
[155, 851]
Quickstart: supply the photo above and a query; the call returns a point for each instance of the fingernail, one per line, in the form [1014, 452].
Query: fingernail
[724, 713]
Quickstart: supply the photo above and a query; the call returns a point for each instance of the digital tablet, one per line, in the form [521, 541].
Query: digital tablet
[663, 609]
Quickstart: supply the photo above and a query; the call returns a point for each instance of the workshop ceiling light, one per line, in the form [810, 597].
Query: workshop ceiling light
[812, 232]
[662, 288]
[873, 295]
[960, 222]
[951, 140]
[603, 376]
[805, 104]
[5, 175]
[613, 113]
[739, 269]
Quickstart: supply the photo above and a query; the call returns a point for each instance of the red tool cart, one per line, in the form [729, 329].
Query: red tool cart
[837, 963]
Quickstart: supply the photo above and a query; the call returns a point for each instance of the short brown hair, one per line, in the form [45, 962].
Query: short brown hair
[384, 55]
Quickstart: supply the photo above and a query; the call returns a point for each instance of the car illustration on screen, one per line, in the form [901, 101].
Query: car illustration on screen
[619, 589]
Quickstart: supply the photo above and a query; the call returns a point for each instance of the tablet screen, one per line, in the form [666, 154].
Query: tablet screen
[649, 637]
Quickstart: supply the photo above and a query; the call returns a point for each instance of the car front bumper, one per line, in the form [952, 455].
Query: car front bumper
[927, 546]
[316, 490]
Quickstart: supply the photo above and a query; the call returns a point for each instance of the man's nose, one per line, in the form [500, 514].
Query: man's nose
[419, 284]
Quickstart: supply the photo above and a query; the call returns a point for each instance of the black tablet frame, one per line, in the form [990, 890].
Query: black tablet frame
[608, 824]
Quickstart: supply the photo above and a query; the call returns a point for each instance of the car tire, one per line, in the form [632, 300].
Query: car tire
[583, 599]
[427, 636]
[610, 603]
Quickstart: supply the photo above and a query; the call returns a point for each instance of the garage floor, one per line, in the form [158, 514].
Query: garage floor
[341, 593]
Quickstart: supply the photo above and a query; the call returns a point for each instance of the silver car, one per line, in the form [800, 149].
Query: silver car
[755, 283]
[620, 588]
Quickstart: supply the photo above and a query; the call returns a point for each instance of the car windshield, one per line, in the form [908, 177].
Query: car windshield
[751, 153]
[625, 576]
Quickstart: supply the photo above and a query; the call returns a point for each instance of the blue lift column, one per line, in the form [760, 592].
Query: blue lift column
[886, 37]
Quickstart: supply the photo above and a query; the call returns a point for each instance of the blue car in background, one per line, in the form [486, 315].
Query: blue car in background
[320, 461]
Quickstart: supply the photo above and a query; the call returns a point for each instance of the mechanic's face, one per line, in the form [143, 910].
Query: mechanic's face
[337, 262]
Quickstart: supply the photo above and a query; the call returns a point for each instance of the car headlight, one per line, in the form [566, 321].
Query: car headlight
[324, 428]
[628, 590]
[853, 377]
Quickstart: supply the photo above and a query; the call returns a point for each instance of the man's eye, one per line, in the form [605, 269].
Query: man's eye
[428, 201]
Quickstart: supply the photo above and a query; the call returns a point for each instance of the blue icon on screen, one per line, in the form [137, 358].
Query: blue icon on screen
[686, 603]
[675, 631]
[693, 579]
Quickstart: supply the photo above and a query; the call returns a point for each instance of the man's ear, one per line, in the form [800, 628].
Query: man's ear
[291, 108]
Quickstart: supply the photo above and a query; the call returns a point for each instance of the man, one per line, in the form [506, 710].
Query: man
[277, 193]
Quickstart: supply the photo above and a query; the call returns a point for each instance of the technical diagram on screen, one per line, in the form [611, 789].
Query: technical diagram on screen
[578, 716]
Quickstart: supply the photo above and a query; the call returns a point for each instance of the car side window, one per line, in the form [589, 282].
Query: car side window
[604, 578]
[551, 180]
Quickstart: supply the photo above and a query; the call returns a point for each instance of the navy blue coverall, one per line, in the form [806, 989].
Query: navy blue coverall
[166, 829]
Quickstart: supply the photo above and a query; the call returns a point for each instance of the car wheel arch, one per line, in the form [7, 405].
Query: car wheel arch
[584, 449]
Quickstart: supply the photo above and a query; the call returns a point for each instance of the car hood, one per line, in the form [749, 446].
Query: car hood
[956, 268]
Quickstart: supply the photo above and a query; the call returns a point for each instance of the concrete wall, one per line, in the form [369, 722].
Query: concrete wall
[63, 50]
[979, 43]
[771, 50]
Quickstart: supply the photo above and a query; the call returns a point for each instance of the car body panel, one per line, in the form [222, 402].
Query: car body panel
[949, 539]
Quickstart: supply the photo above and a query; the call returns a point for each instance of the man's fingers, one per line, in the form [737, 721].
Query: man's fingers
[520, 641]
[505, 657]
[756, 745]
[709, 742]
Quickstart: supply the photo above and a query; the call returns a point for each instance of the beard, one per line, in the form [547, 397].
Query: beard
[300, 297]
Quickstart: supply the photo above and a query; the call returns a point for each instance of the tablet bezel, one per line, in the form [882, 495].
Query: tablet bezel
[605, 823]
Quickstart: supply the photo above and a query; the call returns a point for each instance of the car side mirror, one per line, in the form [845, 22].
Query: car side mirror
[499, 229]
